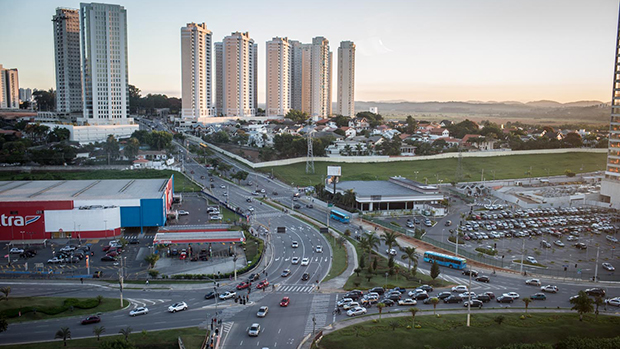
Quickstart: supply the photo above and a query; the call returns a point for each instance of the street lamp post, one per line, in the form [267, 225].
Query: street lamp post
[386, 275]
[313, 324]
[235, 265]
[469, 302]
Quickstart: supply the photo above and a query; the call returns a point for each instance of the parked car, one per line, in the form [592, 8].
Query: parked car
[453, 299]
[559, 243]
[581, 246]
[444, 295]
[262, 311]
[356, 311]
[474, 303]
[608, 266]
[108, 259]
[611, 239]
[16, 250]
[350, 305]
[426, 288]
[483, 298]
[55, 260]
[139, 311]
[505, 299]
[378, 290]
[459, 288]
[514, 295]
[387, 302]
[179, 306]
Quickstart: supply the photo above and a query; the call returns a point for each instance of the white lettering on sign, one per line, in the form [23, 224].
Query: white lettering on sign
[17, 221]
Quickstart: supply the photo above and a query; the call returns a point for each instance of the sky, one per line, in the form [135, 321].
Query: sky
[414, 50]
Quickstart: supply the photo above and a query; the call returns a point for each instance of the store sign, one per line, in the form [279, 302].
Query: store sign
[17, 221]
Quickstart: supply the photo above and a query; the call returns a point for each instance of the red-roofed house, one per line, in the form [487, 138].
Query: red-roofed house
[349, 132]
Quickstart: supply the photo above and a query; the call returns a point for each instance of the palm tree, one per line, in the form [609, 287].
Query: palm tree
[340, 240]
[348, 199]
[368, 242]
[98, 331]
[582, 304]
[380, 306]
[413, 311]
[527, 302]
[64, 333]
[409, 255]
[6, 291]
[126, 332]
[434, 301]
[390, 239]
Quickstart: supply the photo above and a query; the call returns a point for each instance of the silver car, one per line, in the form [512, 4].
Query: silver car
[262, 311]
[254, 330]
[139, 311]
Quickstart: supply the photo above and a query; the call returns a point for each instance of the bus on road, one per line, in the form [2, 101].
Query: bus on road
[340, 216]
[445, 260]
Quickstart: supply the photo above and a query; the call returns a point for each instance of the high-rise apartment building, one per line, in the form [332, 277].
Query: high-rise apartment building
[295, 84]
[25, 94]
[9, 88]
[320, 78]
[278, 78]
[610, 186]
[104, 64]
[196, 71]
[346, 79]
[219, 78]
[67, 60]
[239, 62]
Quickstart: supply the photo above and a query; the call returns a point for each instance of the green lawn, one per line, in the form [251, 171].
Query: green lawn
[192, 338]
[339, 258]
[449, 331]
[181, 183]
[401, 279]
[498, 167]
[55, 307]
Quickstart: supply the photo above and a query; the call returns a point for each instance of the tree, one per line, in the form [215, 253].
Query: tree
[111, 148]
[413, 311]
[389, 237]
[64, 333]
[435, 270]
[369, 242]
[394, 325]
[117, 343]
[499, 319]
[357, 271]
[134, 98]
[297, 116]
[240, 176]
[380, 307]
[132, 148]
[151, 260]
[598, 301]
[98, 331]
[99, 299]
[434, 301]
[6, 291]
[573, 140]
[126, 332]
[527, 301]
[410, 256]
[412, 125]
[161, 140]
[46, 100]
[58, 135]
[582, 304]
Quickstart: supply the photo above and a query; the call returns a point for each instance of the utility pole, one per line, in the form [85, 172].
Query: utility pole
[596, 265]
[235, 264]
[120, 281]
[469, 302]
[522, 256]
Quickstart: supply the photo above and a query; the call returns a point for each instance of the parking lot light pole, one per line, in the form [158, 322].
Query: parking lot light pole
[596, 265]
[235, 265]
[386, 275]
[522, 256]
[469, 302]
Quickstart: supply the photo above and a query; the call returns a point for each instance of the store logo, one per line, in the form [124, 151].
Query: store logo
[17, 221]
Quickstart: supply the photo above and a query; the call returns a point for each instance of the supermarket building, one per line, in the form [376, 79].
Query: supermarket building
[38, 210]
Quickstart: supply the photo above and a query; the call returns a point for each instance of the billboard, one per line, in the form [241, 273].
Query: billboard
[333, 171]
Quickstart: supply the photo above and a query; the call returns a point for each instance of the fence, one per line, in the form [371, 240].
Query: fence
[498, 262]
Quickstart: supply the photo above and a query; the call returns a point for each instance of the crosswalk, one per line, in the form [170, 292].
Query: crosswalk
[143, 302]
[227, 326]
[319, 319]
[268, 215]
[137, 236]
[296, 288]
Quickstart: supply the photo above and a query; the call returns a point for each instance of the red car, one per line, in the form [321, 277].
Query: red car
[112, 254]
[284, 302]
[244, 285]
[262, 284]
[91, 320]
[106, 248]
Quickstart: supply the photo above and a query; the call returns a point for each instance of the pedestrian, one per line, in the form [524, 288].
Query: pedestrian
[82, 281]
[266, 273]
[147, 282]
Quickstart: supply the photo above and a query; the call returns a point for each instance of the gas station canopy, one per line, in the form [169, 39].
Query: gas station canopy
[199, 237]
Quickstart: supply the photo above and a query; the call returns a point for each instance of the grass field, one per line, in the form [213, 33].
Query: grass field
[55, 307]
[498, 167]
[192, 338]
[181, 183]
[449, 331]
[339, 258]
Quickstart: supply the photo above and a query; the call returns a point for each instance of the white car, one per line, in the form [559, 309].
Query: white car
[357, 311]
[254, 330]
[613, 301]
[262, 311]
[227, 295]
[68, 249]
[514, 295]
[305, 261]
[183, 213]
[54, 260]
[295, 260]
[611, 239]
[319, 249]
[608, 266]
[391, 252]
[223, 186]
[466, 295]
[139, 311]
[251, 209]
[532, 260]
[459, 288]
[180, 306]
[16, 250]
[295, 244]
[550, 288]
[559, 243]
[344, 301]
[533, 282]
[350, 305]
[407, 301]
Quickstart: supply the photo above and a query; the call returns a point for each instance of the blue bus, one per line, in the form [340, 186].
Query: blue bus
[340, 216]
[445, 260]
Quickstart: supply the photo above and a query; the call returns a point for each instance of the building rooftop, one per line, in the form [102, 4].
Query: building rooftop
[93, 189]
[371, 188]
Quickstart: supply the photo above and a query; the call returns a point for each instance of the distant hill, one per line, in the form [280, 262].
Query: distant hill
[591, 112]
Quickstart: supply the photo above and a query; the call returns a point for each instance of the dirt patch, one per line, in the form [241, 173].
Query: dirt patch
[245, 152]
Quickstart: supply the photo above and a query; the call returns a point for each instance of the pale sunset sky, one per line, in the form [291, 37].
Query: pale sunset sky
[416, 50]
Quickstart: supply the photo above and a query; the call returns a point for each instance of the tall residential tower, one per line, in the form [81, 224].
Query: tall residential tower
[238, 75]
[104, 64]
[346, 79]
[196, 71]
[67, 59]
[9, 88]
[278, 78]
[320, 78]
